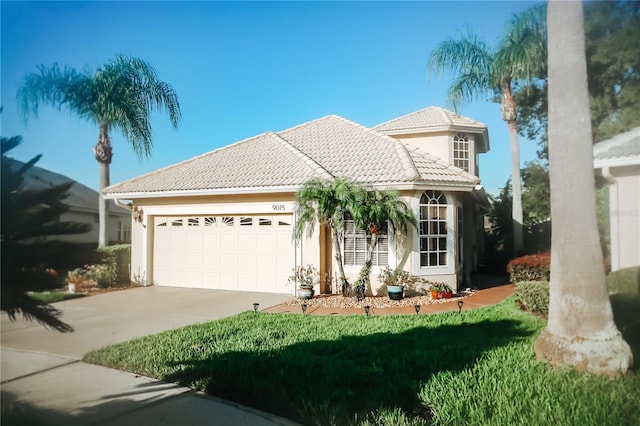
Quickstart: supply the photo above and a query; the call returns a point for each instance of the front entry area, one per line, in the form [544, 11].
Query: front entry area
[253, 252]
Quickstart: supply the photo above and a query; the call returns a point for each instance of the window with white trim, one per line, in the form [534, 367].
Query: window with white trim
[461, 152]
[433, 229]
[356, 244]
[124, 230]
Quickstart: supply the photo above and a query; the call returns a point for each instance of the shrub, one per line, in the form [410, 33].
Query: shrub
[534, 267]
[625, 280]
[534, 295]
[116, 259]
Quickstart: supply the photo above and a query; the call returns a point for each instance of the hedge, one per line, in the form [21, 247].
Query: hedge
[117, 259]
[534, 296]
[534, 267]
[625, 280]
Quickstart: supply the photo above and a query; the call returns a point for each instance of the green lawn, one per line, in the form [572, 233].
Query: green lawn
[54, 296]
[475, 368]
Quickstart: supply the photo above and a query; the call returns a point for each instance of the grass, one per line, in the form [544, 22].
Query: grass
[54, 296]
[477, 368]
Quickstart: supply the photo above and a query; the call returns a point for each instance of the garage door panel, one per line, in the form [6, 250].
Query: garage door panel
[243, 252]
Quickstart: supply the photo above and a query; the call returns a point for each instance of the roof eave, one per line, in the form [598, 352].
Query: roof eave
[202, 192]
[632, 160]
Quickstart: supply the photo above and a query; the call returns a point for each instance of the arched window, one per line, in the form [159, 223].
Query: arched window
[433, 229]
[461, 152]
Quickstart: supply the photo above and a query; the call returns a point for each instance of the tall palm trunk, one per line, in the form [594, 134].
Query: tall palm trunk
[509, 115]
[103, 153]
[580, 331]
[365, 272]
[337, 254]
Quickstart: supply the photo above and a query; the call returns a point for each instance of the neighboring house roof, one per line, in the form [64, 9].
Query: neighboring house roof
[620, 150]
[81, 198]
[324, 148]
[433, 119]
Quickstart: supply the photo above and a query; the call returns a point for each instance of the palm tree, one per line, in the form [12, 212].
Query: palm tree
[373, 211]
[580, 331]
[327, 203]
[120, 95]
[519, 58]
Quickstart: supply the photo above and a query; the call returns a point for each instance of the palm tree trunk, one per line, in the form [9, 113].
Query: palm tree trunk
[337, 254]
[365, 273]
[509, 114]
[103, 154]
[580, 331]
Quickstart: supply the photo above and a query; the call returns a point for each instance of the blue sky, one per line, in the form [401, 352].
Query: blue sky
[243, 68]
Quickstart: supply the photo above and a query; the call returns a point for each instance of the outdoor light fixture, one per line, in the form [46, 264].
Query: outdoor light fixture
[366, 310]
[255, 307]
[460, 303]
[304, 308]
[417, 307]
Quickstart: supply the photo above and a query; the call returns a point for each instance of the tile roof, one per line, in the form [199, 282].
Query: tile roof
[324, 148]
[81, 197]
[430, 118]
[622, 146]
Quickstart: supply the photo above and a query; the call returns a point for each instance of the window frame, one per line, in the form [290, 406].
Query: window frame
[461, 144]
[384, 240]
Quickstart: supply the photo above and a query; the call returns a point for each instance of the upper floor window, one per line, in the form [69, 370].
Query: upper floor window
[433, 229]
[356, 244]
[461, 152]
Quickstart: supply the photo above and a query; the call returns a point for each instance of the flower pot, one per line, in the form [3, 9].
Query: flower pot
[395, 292]
[441, 294]
[305, 293]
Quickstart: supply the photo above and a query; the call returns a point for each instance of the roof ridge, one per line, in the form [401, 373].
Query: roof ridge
[324, 173]
[444, 113]
[443, 163]
[410, 170]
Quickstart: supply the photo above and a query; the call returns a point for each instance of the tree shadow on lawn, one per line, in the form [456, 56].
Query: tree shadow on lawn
[339, 381]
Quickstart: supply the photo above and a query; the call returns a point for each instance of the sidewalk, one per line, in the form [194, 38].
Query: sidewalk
[489, 296]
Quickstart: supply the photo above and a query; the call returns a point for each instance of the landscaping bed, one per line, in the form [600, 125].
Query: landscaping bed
[339, 301]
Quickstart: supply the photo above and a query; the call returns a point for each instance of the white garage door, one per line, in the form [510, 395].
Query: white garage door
[240, 252]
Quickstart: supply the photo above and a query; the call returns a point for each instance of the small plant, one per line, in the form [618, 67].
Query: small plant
[397, 276]
[101, 274]
[441, 287]
[304, 276]
[77, 276]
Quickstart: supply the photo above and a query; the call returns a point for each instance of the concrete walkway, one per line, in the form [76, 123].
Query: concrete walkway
[45, 383]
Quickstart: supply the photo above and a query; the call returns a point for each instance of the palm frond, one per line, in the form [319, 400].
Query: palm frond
[470, 59]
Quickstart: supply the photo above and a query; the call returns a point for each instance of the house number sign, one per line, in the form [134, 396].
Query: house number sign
[278, 207]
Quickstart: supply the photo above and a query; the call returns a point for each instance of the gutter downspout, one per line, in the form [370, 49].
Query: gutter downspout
[614, 226]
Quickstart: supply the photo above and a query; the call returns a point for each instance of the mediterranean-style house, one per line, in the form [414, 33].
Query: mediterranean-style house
[224, 219]
[618, 161]
[83, 206]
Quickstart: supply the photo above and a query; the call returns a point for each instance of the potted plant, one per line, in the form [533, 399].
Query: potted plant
[395, 280]
[441, 291]
[75, 279]
[305, 277]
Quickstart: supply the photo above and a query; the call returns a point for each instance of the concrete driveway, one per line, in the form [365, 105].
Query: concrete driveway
[43, 379]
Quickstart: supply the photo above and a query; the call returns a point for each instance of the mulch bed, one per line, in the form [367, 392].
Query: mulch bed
[339, 301]
[90, 290]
